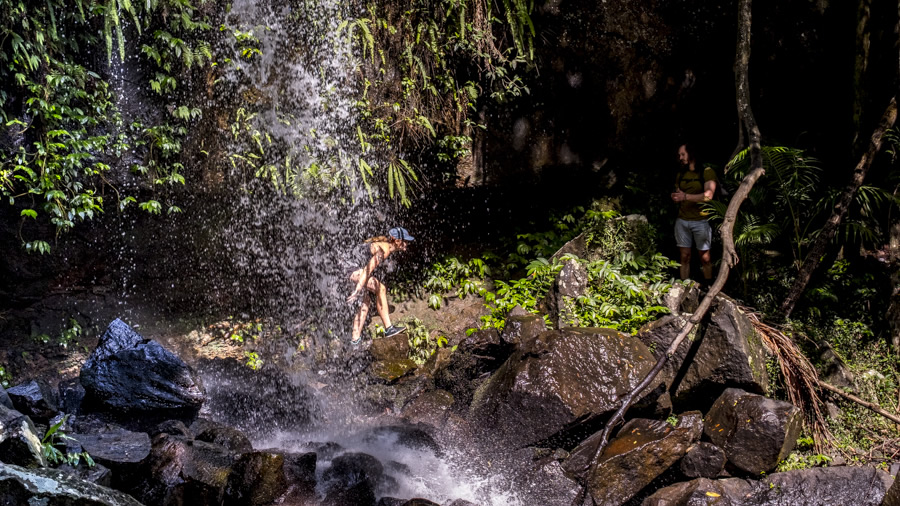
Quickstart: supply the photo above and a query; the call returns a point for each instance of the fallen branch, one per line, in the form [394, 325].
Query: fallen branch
[850, 397]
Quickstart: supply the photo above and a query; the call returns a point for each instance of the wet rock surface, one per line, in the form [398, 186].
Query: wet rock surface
[556, 379]
[127, 373]
[729, 353]
[755, 432]
[703, 460]
[35, 399]
[520, 330]
[863, 486]
[257, 478]
[642, 450]
[477, 356]
[20, 443]
[229, 437]
[20, 486]
[353, 476]
[181, 471]
[395, 347]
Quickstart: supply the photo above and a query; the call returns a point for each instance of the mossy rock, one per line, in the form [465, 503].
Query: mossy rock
[392, 370]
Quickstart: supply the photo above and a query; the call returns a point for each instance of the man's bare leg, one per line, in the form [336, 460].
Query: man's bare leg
[685, 268]
[706, 266]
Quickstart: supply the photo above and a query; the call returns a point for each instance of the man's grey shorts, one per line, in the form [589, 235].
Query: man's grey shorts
[699, 231]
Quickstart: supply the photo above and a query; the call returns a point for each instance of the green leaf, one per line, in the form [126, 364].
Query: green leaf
[31, 213]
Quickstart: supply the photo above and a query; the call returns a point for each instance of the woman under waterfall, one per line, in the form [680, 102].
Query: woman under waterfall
[374, 255]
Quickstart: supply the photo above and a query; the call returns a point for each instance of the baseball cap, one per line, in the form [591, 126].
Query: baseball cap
[400, 233]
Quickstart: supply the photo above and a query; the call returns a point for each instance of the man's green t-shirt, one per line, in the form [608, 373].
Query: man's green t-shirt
[689, 182]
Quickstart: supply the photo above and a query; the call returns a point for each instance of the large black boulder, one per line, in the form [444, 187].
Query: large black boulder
[127, 373]
[756, 432]
[857, 486]
[51, 487]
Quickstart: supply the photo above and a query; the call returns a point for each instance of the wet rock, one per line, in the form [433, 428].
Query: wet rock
[390, 501]
[659, 334]
[432, 408]
[571, 282]
[71, 395]
[325, 451]
[547, 484]
[643, 450]
[257, 478]
[522, 329]
[300, 473]
[859, 486]
[703, 460]
[357, 495]
[173, 428]
[392, 370]
[415, 437]
[352, 476]
[180, 471]
[478, 355]
[122, 451]
[127, 373]
[19, 486]
[20, 443]
[728, 354]
[462, 502]
[35, 399]
[395, 347]
[418, 501]
[97, 474]
[561, 376]
[229, 437]
[4, 398]
[756, 433]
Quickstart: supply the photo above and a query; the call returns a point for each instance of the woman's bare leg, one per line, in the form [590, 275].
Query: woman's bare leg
[381, 303]
[360, 319]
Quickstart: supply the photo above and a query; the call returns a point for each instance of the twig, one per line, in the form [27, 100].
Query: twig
[874, 407]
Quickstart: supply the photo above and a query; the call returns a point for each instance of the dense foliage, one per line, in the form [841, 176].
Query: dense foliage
[63, 127]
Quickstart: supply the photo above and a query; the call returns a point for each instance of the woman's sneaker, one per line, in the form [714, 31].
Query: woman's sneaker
[393, 330]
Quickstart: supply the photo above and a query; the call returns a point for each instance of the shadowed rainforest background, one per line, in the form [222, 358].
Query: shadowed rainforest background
[206, 159]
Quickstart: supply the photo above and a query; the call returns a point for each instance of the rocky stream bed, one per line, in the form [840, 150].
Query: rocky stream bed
[510, 407]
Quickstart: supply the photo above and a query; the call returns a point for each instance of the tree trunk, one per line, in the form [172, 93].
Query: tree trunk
[831, 226]
[863, 43]
[893, 312]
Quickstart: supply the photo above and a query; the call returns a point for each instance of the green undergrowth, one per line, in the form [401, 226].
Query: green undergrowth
[626, 276]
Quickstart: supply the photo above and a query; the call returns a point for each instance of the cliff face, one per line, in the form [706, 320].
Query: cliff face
[625, 81]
